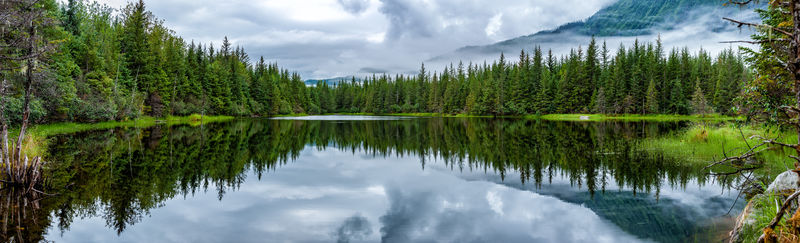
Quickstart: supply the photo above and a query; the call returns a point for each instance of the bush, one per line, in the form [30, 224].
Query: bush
[314, 109]
[91, 111]
[285, 108]
[13, 110]
[195, 117]
[257, 108]
[129, 108]
[395, 109]
[409, 108]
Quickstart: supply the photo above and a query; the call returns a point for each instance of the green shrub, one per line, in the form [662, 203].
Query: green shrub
[285, 108]
[13, 112]
[314, 109]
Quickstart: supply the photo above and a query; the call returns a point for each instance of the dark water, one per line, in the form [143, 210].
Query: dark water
[371, 179]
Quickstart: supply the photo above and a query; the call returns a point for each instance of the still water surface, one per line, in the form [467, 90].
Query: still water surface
[376, 179]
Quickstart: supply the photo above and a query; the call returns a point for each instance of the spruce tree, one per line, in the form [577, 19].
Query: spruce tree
[600, 104]
[652, 98]
[699, 104]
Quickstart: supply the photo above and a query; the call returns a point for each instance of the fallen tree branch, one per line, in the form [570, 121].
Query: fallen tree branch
[755, 42]
[749, 154]
[740, 24]
[779, 216]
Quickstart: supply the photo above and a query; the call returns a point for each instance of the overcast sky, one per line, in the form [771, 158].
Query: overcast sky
[329, 38]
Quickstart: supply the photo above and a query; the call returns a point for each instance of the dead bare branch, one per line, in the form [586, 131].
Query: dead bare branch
[741, 24]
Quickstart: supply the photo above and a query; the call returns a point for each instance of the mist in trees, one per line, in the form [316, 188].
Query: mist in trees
[637, 80]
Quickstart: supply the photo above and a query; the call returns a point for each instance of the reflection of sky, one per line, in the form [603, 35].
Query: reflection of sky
[338, 196]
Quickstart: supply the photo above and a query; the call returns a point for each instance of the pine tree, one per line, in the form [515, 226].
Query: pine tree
[600, 104]
[699, 104]
[652, 98]
[118, 69]
[677, 99]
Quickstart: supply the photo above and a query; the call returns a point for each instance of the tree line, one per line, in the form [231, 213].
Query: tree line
[636, 80]
[111, 66]
[116, 67]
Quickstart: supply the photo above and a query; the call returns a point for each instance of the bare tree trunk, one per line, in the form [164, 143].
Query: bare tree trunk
[28, 90]
[794, 57]
[4, 134]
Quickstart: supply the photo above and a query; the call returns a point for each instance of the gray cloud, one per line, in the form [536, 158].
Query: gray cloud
[405, 20]
[332, 38]
[706, 31]
[335, 38]
[354, 6]
[353, 228]
[372, 70]
[318, 194]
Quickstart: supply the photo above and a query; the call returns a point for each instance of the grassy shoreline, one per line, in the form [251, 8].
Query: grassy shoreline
[38, 134]
[37, 137]
[551, 117]
[73, 127]
[703, 143]
[633, 117]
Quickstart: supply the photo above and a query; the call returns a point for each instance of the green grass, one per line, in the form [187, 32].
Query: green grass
[631, 117]
[701, 144]
[36, 138]
[704, 143]
[763, 208]
[46, 130]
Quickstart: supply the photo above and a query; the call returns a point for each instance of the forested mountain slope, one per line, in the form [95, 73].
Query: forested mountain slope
[639, 17]
[625, 18]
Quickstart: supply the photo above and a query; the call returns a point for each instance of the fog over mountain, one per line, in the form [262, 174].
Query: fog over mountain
[695, 24]
[324, 39]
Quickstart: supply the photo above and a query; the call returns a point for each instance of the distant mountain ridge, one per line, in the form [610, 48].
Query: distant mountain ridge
[624, 18]
[331, 81]
[638, 17]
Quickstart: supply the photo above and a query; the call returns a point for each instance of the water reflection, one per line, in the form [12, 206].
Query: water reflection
[370, 180]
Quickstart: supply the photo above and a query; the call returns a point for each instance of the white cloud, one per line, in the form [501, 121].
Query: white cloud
[495, 202]
[327, 38]
[394, 199]
[494, 25]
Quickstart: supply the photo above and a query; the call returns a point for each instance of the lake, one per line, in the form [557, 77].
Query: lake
[373, 179]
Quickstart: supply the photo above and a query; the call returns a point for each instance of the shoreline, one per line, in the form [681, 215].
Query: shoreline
[549, 117]
[38, 134]
[60, 128]
[37, 137]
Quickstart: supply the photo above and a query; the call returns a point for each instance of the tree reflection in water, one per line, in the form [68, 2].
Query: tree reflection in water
[122, 174]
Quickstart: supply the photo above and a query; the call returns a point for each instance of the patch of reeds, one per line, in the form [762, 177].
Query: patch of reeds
[22, 167]
[702, 143]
